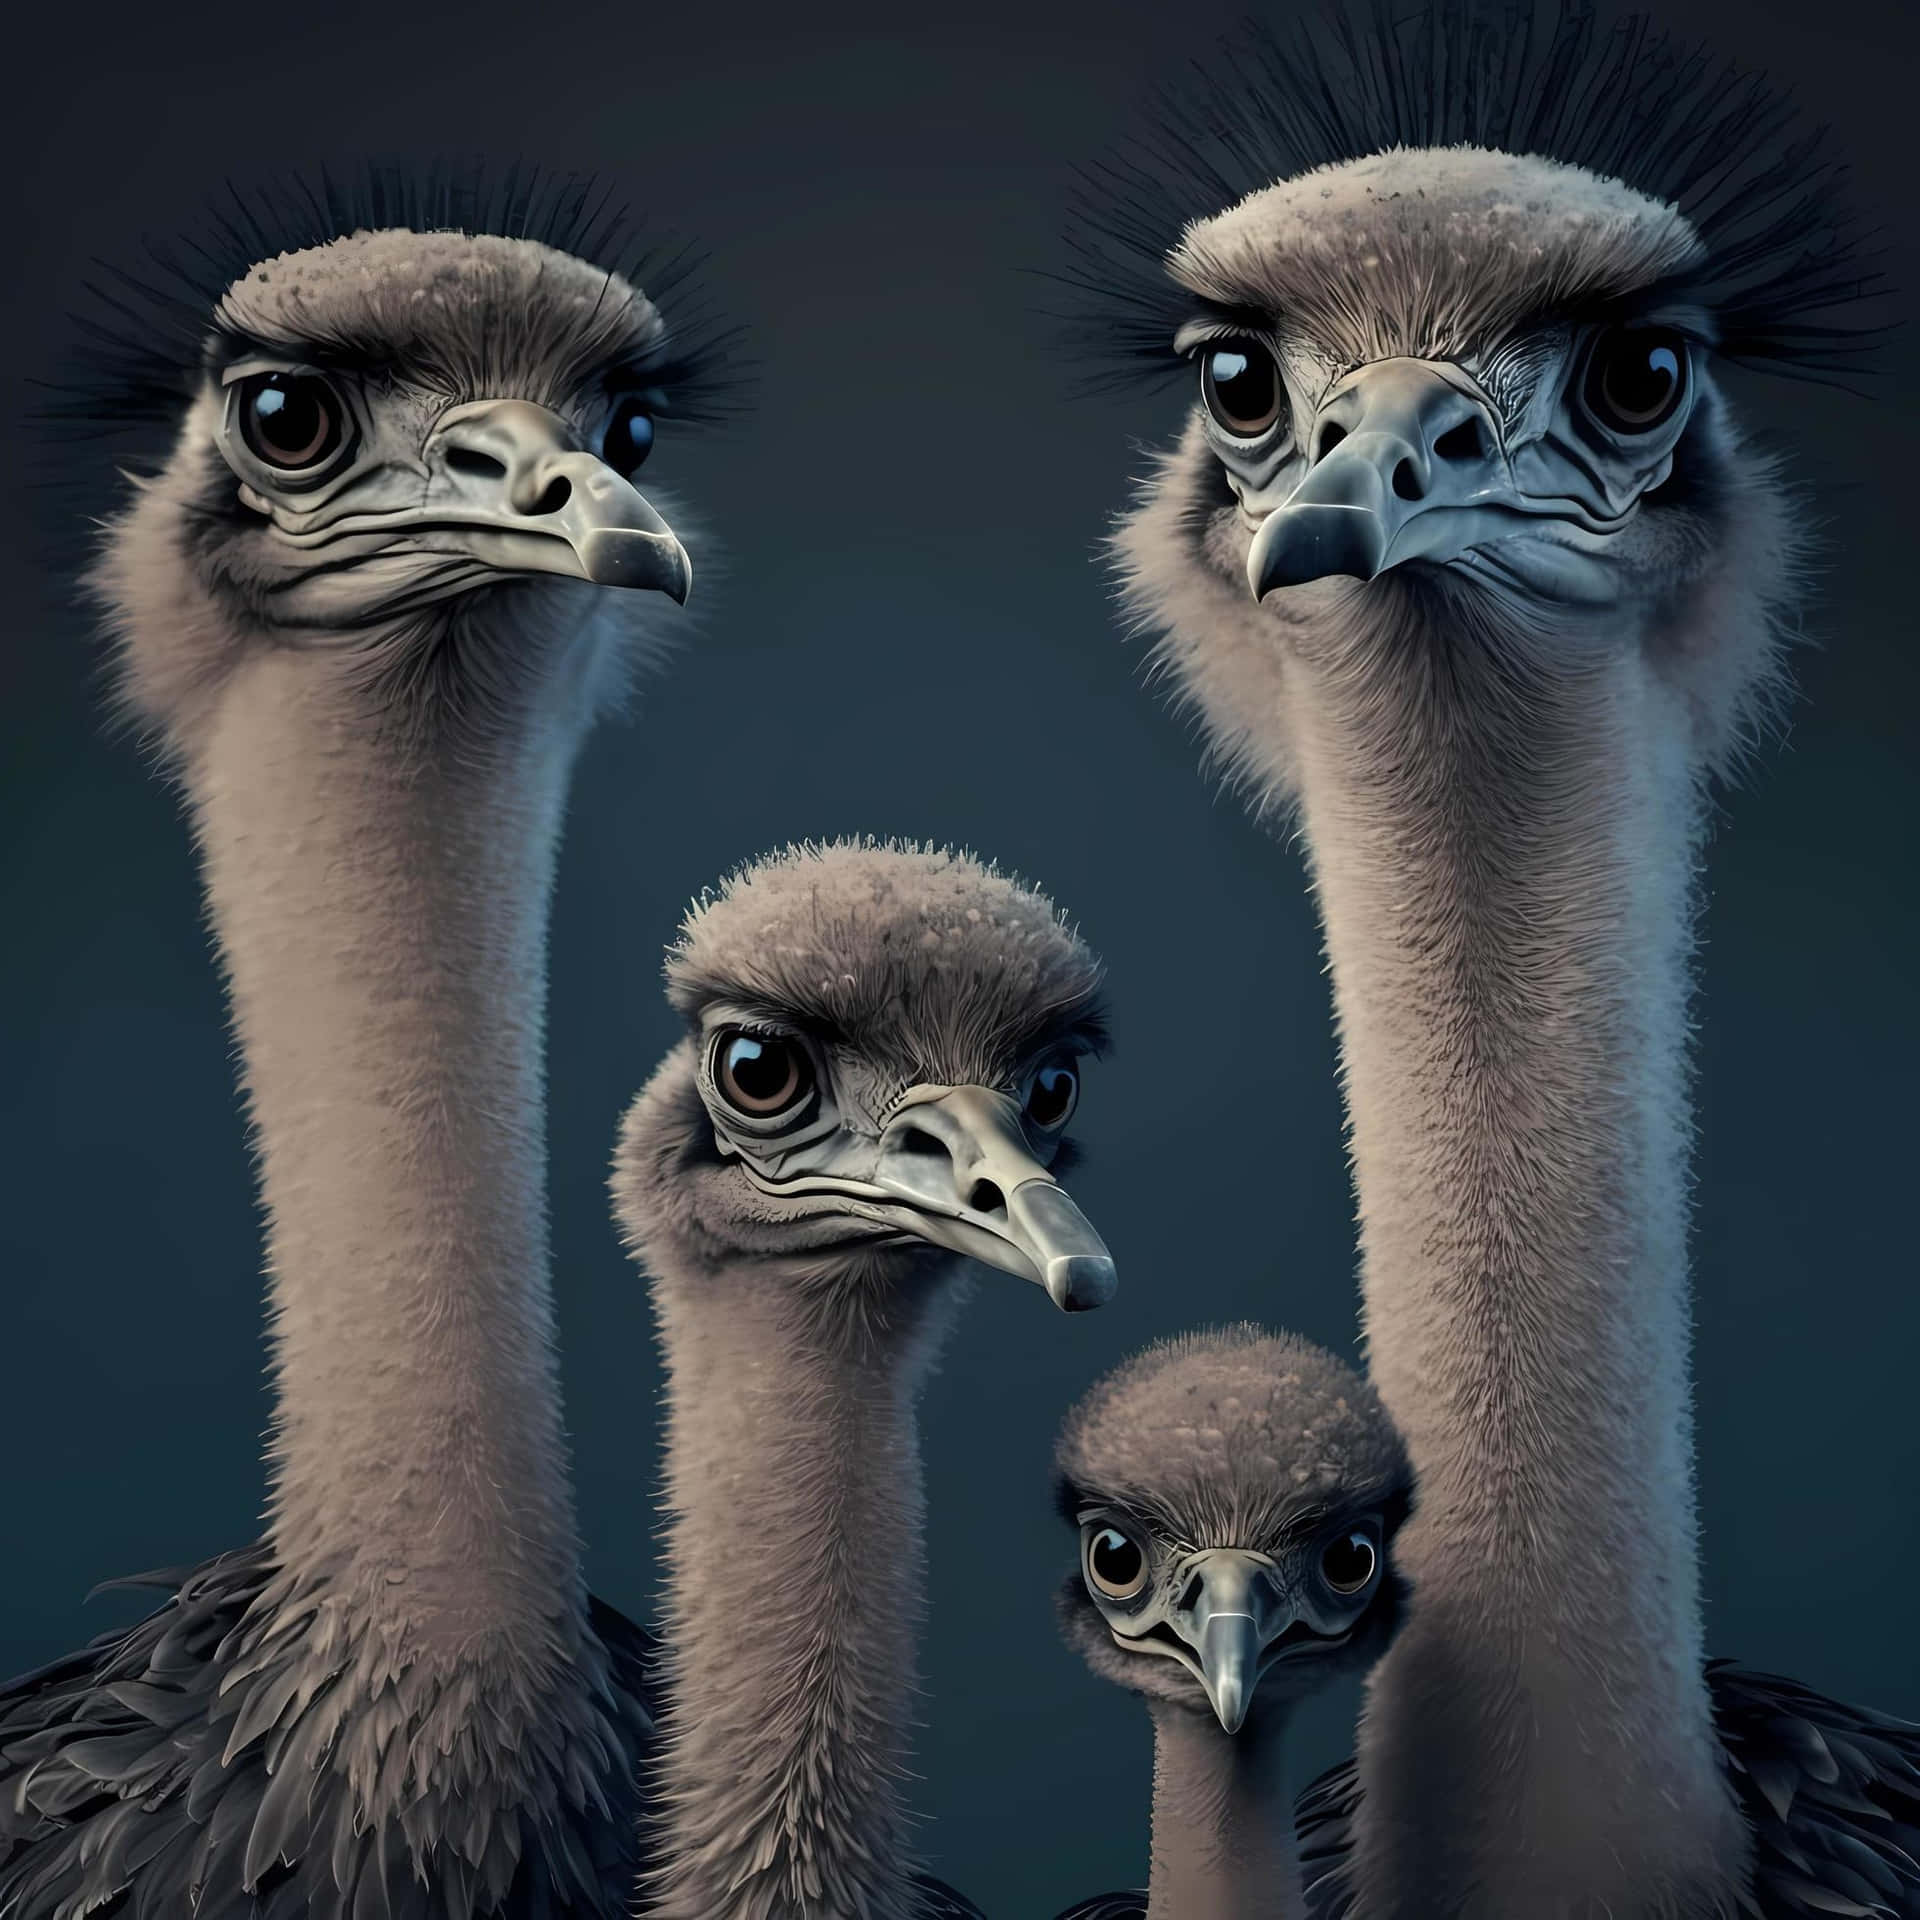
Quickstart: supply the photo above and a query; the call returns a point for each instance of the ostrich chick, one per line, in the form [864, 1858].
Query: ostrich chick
[880, 1069]
[1237, 1494]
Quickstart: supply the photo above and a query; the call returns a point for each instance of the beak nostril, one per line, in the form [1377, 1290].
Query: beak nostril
[483, 466]
[985, 1197]
[1460, 443]
[558, 492]
[1189, 1597]
[1330, 437]
[1406, 482]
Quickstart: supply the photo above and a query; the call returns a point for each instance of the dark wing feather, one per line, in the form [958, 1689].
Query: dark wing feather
[1831, 1792]
[1109, 1906]
[938, 1901]
[1323, 1831]
[132, 1785]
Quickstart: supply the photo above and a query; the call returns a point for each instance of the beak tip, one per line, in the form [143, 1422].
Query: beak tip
[1079, 1282]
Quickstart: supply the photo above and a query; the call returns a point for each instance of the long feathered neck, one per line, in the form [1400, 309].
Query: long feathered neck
[795, 1586]
[379, 887]
[1503, 828]
[1223, 1846]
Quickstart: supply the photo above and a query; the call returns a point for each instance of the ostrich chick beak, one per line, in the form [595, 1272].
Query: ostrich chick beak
[1224, 1631]
[954, 1168]
[1415, 472]
[510, 485]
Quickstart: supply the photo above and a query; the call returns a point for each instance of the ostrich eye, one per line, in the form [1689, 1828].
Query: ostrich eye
[1052, 1097]
[1348, 1563]
[761, 1074]
[291, 421]
[629, 438]
[1240, 387]
[1636, 378]
[1115, 1565]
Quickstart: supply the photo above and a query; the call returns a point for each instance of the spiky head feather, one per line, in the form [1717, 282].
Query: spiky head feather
[1781, 266]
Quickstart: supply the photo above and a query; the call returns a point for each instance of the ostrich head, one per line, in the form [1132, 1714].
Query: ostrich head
[1451, 299]
[1236, 1495]
[405, 456]
[883, 1057]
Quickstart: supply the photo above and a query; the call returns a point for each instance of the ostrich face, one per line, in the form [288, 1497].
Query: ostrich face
[884, 1056]
[393, 420]
[1437, 360]
[1236, 1497]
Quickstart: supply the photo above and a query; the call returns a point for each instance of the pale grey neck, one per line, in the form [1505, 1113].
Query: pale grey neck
[1504, 856]
[1223, 1843]
[381, 901]
[796, 1586]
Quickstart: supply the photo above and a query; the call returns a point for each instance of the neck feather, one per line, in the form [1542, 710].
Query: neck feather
[1223, 1843]
[380, 896]
[796, 1577]
[1503, 836]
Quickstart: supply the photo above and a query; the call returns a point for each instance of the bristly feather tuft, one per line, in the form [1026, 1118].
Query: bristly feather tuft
[1788, 274]
[141, 333]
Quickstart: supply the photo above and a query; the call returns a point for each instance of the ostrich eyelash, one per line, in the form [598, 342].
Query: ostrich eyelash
[1788, 272]
[142, 334]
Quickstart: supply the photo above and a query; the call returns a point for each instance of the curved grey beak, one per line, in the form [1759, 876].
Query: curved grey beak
[1229, 1626]
[509, 484]
[955, 1169]
[1404, 440]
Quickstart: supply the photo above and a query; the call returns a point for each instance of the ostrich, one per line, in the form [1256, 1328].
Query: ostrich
[1471, 576]
[365, 608]
[878, 1076]
[1236, 1495]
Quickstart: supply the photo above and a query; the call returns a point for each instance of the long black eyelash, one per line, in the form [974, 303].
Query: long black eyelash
[142, 332]
[1789, 274]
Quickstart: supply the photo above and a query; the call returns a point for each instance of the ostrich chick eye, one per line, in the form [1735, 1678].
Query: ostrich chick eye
[1636, 378]
[629, 438]
[1115, 1564]
[761, 1074]
[1348, 1563]
[1240, 387]
[1052, 1097]
[291, 421]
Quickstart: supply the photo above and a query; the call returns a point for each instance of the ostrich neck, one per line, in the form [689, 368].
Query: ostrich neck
[1223, 1846]
[796, 1581]
[1503, 834]
[381, 901]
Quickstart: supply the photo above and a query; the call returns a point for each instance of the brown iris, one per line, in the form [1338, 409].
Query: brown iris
[761, 1074]
[291, 421]
[1240, 386]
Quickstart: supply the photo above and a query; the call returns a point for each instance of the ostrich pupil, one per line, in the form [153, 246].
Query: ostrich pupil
[629, 439]
[1637, 379]
[760, 1075]
[1348, 1564]
[1117, 1563]
[1241, 388]
[288, 420]
[1054, 1091]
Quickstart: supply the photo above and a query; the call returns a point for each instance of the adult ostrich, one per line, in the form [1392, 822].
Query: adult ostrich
[879, 1072]
[1236, 1494]
[1470, 573]
[367, 608]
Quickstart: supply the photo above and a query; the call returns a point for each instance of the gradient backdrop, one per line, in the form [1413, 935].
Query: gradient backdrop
[906, 633]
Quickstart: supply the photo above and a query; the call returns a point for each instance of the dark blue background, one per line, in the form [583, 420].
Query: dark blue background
[910, 636]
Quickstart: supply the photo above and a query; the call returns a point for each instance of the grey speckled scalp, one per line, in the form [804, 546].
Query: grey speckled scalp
[364, 610]
[881, 1062]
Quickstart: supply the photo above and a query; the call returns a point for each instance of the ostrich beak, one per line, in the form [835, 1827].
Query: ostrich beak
[510, 486]
[1413, 472]
[954, 1168]
[1234, 1619]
